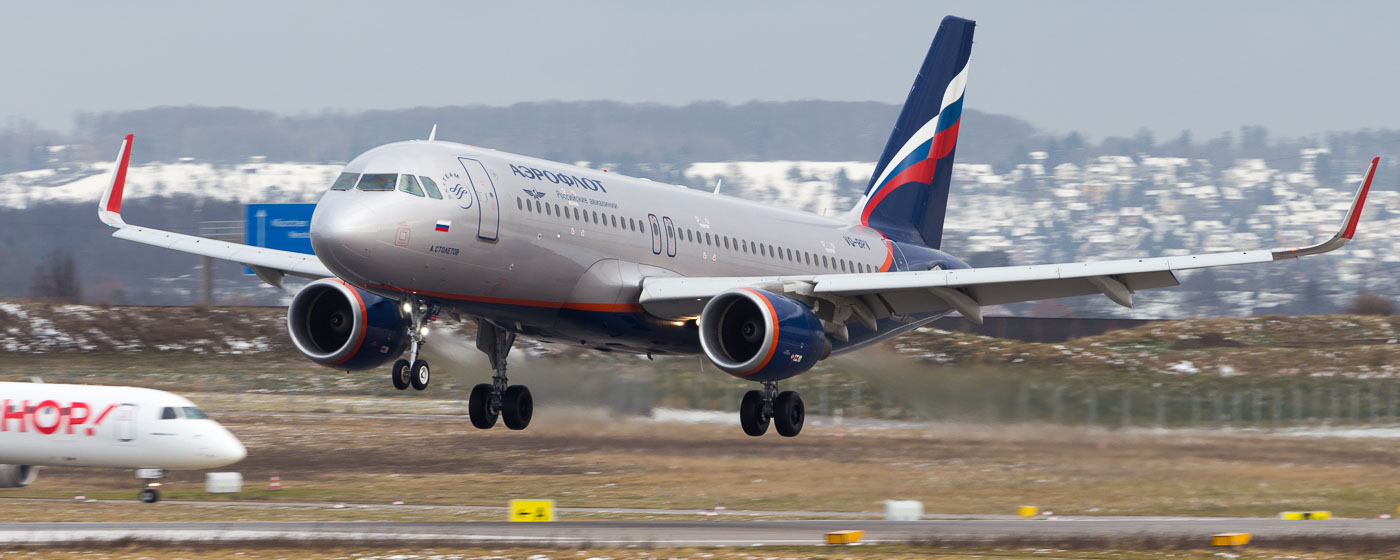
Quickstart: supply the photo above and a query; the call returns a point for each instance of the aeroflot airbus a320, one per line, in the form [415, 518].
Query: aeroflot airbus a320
[556, 252]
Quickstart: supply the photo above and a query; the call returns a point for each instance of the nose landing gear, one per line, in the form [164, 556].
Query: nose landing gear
[784, 409]
[414, 372]
[498, 399]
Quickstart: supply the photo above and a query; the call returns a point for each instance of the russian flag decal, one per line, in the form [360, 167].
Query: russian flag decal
[443, 225]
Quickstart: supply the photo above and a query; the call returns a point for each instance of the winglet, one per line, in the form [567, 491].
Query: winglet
[109, 209]
[1349, 223]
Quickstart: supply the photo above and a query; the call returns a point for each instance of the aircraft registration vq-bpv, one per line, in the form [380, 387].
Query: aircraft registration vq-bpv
[576, 255]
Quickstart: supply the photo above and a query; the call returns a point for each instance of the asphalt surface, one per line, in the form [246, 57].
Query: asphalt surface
[690, 533]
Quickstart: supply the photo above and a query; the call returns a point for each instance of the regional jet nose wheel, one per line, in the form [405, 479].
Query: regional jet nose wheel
[400, 374]
[150, 496]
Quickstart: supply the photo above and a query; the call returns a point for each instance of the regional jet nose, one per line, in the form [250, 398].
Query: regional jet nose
[343, 230]
[226, 448]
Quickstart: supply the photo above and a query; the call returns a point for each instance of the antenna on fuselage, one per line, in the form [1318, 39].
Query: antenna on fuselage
[717, 184]
[433, 135]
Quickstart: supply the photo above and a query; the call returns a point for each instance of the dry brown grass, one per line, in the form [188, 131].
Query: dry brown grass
[1128, 549]
[596, 461]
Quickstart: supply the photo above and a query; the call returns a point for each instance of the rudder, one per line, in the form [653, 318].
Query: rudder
[908, 194]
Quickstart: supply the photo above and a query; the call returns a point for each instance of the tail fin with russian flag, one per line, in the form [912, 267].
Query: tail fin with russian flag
[908, 193]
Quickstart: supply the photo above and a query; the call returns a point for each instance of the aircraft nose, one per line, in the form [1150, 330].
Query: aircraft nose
[230, 450]
[342, 232]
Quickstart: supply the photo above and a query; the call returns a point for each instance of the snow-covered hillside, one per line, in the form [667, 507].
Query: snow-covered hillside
[246, 183]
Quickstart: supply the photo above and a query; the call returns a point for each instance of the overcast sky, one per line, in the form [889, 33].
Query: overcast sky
[1103, 68]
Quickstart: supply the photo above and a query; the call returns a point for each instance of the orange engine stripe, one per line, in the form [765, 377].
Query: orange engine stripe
[772, 314]
[364, 317]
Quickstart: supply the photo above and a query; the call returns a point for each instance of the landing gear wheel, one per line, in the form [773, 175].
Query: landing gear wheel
[789, 413]
[479, 407]
[400, 374]
[517, 407]
[150, 496]
[418, 376]
[751, 414]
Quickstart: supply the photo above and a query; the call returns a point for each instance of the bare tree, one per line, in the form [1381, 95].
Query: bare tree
[1372, 304]
[56, 279]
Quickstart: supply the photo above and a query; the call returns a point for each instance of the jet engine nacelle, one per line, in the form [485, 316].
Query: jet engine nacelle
[761, 336]
[15, 476]
[340, 326]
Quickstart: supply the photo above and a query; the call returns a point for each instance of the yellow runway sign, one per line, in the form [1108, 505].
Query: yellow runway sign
[532, 510]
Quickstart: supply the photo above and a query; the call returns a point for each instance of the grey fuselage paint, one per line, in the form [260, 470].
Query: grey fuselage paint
[558, 252]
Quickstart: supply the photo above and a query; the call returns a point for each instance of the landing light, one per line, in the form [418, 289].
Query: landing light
[423, 331]
[407, 307]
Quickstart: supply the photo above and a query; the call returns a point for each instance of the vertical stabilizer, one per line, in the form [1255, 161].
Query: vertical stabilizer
[908, 194]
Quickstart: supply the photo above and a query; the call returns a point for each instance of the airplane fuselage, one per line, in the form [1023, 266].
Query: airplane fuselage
[558, 252]
[55, 424]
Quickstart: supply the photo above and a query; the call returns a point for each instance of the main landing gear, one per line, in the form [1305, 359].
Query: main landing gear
[414, 372]
[784, 409]
[498, 398]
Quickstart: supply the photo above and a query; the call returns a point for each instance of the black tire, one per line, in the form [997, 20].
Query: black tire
[150, 496]
[419, 375]
[789, 413]
[400, 374]
[751, 414]
[479, 407]
[517, 407]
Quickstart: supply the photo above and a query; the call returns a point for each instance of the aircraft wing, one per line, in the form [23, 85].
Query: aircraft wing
[867, 297]
[269, 264]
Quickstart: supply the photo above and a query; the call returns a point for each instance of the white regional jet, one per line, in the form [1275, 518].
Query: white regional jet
[581, 256]
[61, 425]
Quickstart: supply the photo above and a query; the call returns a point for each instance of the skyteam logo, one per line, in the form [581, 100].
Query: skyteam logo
[916, 159]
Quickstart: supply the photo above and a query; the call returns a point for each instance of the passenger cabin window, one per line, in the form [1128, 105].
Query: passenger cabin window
[168, 413]
[378, 181]
[345, 182]
[409, 185]
[193, 413]
[431, 187]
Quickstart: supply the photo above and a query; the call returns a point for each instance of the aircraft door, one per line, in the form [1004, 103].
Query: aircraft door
[488, 208]
[670, 236]
[656, 240]
[125, 423]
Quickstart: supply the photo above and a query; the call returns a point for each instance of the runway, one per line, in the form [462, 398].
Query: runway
[689, 533]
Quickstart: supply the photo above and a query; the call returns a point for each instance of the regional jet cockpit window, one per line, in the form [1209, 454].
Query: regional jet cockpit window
[378, 181]
[168, 413]
[193, 413]
[345, 182]
[409, 185]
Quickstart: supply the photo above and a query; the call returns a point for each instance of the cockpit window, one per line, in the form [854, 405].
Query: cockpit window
[194, 413]
[410, 185]
[431, 187]
[168, 413]
[345, 182]
[378, 181]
